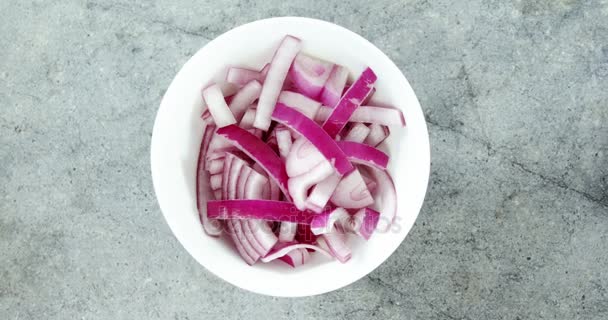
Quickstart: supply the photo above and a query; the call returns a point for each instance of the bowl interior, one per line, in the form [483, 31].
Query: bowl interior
[178, 131]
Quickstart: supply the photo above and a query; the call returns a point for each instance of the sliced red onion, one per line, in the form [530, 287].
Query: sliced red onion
[300, 102]
[222, 116]
[364, 154]
[283, 141]
[239, 246]
[256, 132]
[260, 152]
[217, 194]
[387, 116]
[324, 222]
[350, 101]
[207, 136]
[299, 185]
[217, 146]
[369, 182]
[275, 190]
[302, 157]
[233, 174]
[255, 186]
[256, 231]
[320, 194]
[250, 235]
[242, 238]
[262, 234]
[226, 176]
[211, 227]
[242, 182]
[332, 91]
[287, 231]
[264, 71]
[271, 140]
[242, 76]
[244, 98]
[304, 235]
[215, 166]
[351, 192]
[309, 74]
[314, 134]
[364, 222]
[282, 249]
[279, 67]
[377, 135]
[207, 118]
[323, 113]
[369, 97]
[269, 210]
[335, 242]
[385, 197]
[296, 258]
[248, 118]
[215, 181]
[357, 133]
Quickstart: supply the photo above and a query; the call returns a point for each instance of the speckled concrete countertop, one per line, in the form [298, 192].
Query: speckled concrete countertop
[515, 225]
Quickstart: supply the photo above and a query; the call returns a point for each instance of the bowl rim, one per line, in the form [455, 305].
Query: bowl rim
[425, 144]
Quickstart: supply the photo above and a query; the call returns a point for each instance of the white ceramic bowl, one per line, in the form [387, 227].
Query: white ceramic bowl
[178, 131]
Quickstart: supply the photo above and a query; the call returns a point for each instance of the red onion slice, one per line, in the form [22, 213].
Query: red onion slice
[244, 98]
[364, 154]
[215, 181]
[364, 222]
[239, 246]
[314, 134]
[242, 76]
[377, 135]
[298, 186]
[296, 258]
[324, 223]
[351, 192]
[357, 133]
[242, 182]
[385, 197]
[282, 249]
[281, 62]
[254, 186]
[304, 235]
[242, 238]
[269, 210]
[320, 194]
[262, 234]
[335, 242]
[211, 227]
[302, 103]
[332, 91]
[215, 166]
[207, 136]
[387, 116]
[309, 74]
[349, 102]
[260, 152]
[302, 157]
[287, 231]
[248, 118]
[222, 116]
[283, 141]
[217, 146]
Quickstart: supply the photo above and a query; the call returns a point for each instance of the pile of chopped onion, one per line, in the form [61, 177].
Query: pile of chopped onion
[289, 163]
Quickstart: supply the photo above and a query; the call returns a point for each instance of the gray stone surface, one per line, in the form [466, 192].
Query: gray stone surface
[515, 225]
